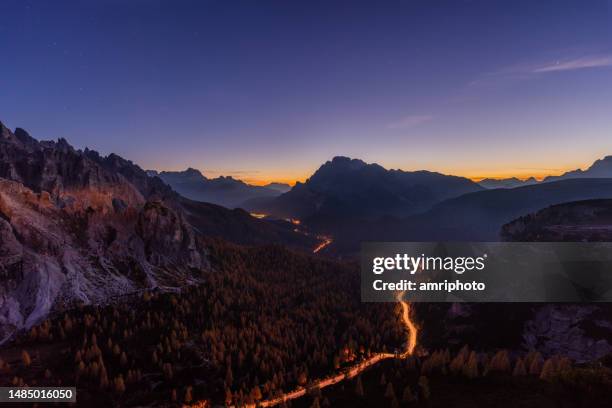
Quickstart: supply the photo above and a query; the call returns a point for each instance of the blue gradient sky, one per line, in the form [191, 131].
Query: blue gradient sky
[265, 90]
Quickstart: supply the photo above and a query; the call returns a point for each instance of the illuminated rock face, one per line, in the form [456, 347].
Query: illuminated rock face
[73, 228]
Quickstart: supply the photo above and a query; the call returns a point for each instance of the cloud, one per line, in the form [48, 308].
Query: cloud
[410, 121]
[592, 61]
[510, 75]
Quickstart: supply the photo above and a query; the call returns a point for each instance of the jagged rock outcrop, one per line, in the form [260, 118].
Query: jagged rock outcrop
[76, 227]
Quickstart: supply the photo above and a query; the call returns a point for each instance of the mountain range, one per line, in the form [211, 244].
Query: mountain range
[477, 216]
[226, 191]
[599, 169]
[76, 226]
[491, 183]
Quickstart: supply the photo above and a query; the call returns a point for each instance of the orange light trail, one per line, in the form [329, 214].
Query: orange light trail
[355, 370]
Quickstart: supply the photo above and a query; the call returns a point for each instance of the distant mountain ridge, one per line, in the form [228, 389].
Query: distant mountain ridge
[225, 190]
[601, 168]
[477, 216]
[490, 183]
[345, 187]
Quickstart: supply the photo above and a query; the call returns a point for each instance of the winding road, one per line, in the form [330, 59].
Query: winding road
[356, 369]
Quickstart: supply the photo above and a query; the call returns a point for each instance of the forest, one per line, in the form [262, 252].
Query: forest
[264, 320]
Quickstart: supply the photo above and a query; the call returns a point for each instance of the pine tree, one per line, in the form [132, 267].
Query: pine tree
[302, 378]
[536, 366]
[167, 369]
[228, 396]
[390, 391]
[519, 368]
[457, 363]
[123, 359]
[407, 395]
[359, 387]
[188, 394]
[548, 370]
[103, 378]
[119, 384]
[256, 393]
[424, 386]
[470, 369]
[229, 377]
[25, 358]
[499, 363]
[383, 379]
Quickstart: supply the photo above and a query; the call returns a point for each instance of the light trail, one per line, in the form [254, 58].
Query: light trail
[356, 369]
[325, 242]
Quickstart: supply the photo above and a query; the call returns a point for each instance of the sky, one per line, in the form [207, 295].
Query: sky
[269, 90]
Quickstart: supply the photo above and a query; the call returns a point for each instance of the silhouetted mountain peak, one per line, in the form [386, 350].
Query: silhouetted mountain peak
[602, 165]
[194, 174]
[601, 168]
[340, 170]
[345, 187]
[280, 187]
[347, 161]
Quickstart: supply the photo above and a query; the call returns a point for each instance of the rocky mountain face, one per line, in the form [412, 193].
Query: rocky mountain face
[74, 229]
[225, 191]
[78, 227]
[345, 187]
[582, 332]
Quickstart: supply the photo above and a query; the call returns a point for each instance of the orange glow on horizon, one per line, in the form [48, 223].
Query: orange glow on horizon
[472, 174]
[475, 178]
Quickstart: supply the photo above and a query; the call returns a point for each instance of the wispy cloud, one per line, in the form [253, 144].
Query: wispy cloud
[591, 61]
[409, 121]
[509, 75]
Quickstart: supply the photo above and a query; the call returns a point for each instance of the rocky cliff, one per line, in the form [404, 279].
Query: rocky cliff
[79, 227]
